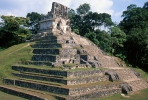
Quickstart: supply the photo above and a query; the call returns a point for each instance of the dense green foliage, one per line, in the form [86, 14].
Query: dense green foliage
[135, 25]
[34, 21]
[13, 31]
[90, 24]
[128, 40]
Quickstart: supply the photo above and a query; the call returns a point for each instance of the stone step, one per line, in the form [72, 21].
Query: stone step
[62, 80]
[46, 51]
[49, 37]
[24, 93]
[38, 85]
[87, 95]
[86, 73]
[125, 74]
[138, 84]
[60, 72]
[23, 68]
[60, 41]
[62, 52]
[45, 57]
[87, 88]
[47, 45]
[30, 94]
[63, 89]
[87, 80]
[41, 77]
[95, 94]
[39, 63]
[48, 41]
[44, 75]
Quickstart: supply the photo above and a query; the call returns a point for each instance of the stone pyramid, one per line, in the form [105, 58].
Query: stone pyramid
[86, 71]
[58, 45]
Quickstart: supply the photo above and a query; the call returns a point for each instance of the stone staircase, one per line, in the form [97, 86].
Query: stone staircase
[126, 74]
[29, 94]
[138, 84]
[51, 50]
[129, 76]
[63, 85]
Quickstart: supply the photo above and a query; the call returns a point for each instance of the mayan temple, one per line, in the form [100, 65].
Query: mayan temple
[68, 66]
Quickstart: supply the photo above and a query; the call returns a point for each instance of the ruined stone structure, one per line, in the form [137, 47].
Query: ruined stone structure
[86, 72]
[57, 18]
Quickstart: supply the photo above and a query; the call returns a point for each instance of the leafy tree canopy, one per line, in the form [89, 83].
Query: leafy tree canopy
[34, 21]
[135, 25]
[13, 30]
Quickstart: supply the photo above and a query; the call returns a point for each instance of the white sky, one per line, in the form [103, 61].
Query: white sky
[22, 7]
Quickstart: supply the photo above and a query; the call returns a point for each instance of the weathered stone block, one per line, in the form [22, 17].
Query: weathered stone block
[46, 51]
[51, 58]
[42, 71]
[47, 45]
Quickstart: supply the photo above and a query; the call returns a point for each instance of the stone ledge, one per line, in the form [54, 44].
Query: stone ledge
[85, 73]
[87, 80]
[46, 51]
[37, 86]
[60, 89]
[87, 89]
[68, 74]
[57, 79]
[20, 93]
[43, 78]
[47, 45]
[38, 63]
[42, 71]
[95, 94]
[51, 58]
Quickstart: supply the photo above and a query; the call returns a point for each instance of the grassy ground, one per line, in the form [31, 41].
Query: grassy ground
[139, 95]
[11, 56]
[5, 96]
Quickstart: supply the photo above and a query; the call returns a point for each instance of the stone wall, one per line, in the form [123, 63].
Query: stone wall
[59, 90]
[47, 45]
[59, 9]
[38, 63]
[87, 80]
[71, 52]
[88, 89]
[96, 94]
[38, 86]
[71, 74]
[42, 71]
[45, 57]
[46, 24]
[76, 81]
[40, 77]
[46, 51]
[20, 94]
[84, 73]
